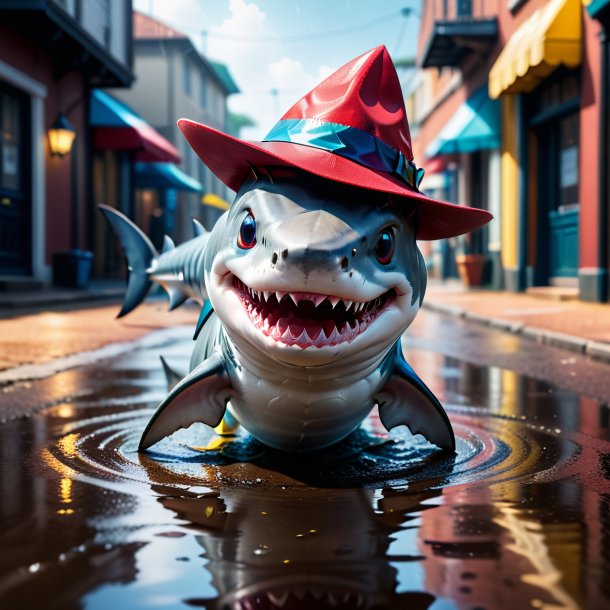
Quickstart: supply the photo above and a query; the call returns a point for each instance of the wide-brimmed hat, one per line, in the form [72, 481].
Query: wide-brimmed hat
[352, 128]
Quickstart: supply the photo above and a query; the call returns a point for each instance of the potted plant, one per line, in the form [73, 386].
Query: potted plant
[470, 260]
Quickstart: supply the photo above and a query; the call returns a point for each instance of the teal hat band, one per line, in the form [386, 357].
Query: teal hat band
[350, 143]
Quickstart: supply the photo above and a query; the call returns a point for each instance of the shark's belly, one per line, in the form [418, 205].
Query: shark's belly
[302, 414]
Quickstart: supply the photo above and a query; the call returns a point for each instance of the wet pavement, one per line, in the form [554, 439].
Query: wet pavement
[519, 517]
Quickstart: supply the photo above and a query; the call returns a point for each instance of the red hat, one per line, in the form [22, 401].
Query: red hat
[351, 128]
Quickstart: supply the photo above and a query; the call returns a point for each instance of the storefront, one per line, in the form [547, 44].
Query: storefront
[539, 82]
[468, 145]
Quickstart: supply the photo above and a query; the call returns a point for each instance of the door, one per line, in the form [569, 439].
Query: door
[15, 203]
[558, 202]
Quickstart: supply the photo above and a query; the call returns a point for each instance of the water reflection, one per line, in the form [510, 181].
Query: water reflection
[518, 518]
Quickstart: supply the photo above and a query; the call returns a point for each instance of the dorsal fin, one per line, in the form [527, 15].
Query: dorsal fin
[176, 298]
[198, 228]
[168, 244]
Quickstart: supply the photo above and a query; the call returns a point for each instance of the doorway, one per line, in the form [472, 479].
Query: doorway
[15, 196]
[558, 201]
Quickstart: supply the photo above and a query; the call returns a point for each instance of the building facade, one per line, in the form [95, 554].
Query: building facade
[53, 53]
[529, 149]
[173, 80]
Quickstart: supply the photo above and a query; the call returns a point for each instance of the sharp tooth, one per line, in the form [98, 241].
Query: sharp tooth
[332, 602]
[335, 337]
[278, 600]
[334, 301]
[304, 338]
[266, 294]
[287, 337]
[348, 304]
[279, 295]
[294, 298]
[318, 298]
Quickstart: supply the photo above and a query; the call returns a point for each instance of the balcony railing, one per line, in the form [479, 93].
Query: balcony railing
[455, 28]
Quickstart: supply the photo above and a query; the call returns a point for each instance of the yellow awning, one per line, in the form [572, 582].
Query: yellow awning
[215, 201]
[548, 38]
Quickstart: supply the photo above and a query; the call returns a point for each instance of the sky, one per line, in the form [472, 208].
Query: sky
[277, 50]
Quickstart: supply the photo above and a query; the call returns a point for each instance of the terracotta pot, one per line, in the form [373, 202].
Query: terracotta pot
[470, 268]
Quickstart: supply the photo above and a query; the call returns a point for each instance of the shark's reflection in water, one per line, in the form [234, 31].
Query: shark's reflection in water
[295, 548]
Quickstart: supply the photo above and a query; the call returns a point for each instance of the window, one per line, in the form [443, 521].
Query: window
[203, 92]
[464, 8]
[568, 162]
[186, 73]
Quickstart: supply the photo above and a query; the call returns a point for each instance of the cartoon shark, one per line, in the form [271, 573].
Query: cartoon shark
[312, 275]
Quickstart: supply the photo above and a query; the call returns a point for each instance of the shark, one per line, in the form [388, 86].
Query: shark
[307, 287]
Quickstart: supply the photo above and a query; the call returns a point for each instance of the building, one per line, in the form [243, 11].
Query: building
[53, 53]
[173, 80]
[457, 131]
[534, 66]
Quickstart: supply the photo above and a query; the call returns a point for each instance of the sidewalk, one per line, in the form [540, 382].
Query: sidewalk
[574, 325]
[40, 337]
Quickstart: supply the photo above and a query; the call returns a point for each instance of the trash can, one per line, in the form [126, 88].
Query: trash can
[72, 269]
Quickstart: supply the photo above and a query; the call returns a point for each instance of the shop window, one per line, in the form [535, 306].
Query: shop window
[568, 162]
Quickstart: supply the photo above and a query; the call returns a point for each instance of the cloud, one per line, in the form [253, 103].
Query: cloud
[290, 79]
[270, 80]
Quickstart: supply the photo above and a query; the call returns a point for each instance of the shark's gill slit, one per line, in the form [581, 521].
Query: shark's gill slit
[309, 319]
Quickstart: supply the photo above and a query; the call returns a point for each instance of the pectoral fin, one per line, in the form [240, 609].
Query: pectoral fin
[405, 399]
[200, 397]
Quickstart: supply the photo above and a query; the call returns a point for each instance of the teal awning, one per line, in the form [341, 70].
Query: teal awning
[164, 176]
[595, 7]
[475, 126]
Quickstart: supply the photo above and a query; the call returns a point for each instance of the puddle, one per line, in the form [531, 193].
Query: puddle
[519, 517]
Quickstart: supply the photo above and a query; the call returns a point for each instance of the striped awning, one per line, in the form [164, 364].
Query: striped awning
[548, 38]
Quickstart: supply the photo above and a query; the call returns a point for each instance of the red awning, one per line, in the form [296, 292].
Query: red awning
[149, 144]
[118, 127]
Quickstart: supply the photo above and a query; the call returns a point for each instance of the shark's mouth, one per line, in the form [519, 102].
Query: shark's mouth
[307, 319]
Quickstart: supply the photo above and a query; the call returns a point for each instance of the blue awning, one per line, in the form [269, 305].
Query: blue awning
[596, 7]
[475, 126]
[164, 176]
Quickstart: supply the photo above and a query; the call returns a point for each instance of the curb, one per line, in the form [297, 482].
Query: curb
[594, 349]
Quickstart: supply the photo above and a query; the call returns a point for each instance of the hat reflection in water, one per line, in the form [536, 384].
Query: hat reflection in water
[311, 277]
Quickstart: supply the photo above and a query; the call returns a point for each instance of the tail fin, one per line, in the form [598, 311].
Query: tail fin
[140, 254]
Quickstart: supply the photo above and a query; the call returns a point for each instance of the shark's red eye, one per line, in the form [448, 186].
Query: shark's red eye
[247, 232]
[384, 249]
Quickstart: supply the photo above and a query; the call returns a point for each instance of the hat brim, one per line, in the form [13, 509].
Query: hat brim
[230, 159]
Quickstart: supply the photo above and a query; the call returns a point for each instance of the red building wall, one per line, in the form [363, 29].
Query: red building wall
[589, 142]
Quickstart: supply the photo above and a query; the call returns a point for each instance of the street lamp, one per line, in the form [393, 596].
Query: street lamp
[61, 136]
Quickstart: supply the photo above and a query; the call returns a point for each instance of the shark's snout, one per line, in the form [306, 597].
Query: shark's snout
[314, 240]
